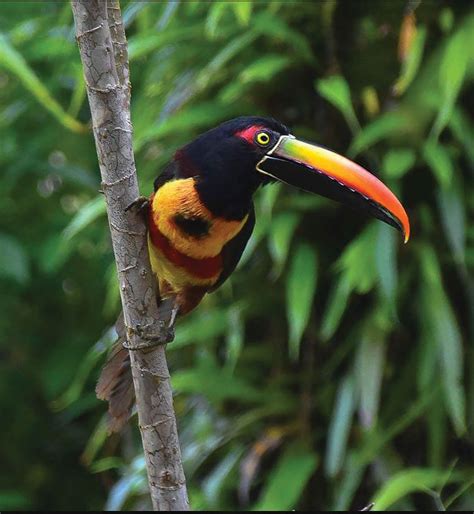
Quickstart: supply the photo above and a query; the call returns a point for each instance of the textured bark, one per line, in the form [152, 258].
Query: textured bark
[102, 44]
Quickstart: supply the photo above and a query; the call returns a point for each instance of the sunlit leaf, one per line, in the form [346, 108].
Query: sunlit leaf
[357, 262]
[451, 76]
[214, 17]
[14, 62]
[86, 215]
[381, 128]
[336, 91]
[300, 288]
[406, 482]
[243, 11]
[288, 479]
[411, 63]
[105, 464]
[439, 160]
[265, 68]
[397, 162]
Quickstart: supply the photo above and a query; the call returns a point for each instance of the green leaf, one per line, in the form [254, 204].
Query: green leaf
[14, 500]
[451, 76]
[441, 327]
[200, 329]
[397, 162]
[439, 160]
[300, 288]
[337, 303]
[339, 428]
[86, 215]
[288, 480]
[235, 336]
[265, 68]
[216, 13]
[357, 262]
[282, 228]
[14, 62]
[276, 28]
[243, 11]
[141, 45]
[105, 464]
[386, 261]
[381, 128]
[453, 218]
[336, 91]
[406, 482]
[412, 63]
[370, 362]
[14, 263]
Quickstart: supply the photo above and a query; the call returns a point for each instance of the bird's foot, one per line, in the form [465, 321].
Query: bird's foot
[141, 206]
[167, 312]
[148, 340]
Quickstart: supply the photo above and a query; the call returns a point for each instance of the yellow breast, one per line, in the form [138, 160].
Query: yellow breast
[179, 197]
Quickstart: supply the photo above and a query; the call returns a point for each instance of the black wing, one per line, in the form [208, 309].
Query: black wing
[233, 250]
[170, 172]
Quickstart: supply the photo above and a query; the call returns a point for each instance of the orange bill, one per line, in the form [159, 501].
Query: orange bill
[321, 171]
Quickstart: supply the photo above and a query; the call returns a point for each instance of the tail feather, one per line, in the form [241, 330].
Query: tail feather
[115, 383]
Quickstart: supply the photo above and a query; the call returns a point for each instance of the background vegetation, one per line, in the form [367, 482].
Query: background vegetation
[336, 367]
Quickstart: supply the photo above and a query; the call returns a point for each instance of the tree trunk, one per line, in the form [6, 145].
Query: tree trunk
[103, 48]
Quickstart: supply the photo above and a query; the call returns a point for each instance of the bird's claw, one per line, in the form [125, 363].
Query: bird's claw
[141, 206]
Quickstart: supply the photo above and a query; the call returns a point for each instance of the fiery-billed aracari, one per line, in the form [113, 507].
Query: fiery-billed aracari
[201, 214]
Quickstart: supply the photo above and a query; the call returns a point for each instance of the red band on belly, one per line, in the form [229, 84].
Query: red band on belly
[208, 267]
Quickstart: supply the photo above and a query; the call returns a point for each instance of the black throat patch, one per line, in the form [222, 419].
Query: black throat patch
[193, 226]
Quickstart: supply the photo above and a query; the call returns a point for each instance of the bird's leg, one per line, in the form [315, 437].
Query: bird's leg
[141, 206]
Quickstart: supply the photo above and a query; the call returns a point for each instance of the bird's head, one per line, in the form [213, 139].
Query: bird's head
[230, 161]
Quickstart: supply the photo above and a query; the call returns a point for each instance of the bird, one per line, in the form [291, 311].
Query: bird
[201, 215]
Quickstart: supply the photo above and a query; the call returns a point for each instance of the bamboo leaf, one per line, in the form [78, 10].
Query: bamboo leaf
[453, 218]
[381, 128]
[300, 288]
[336, 91]
[439, 160]
[412, 62]
[281, 232]
[406, 482]
[398, 162]
[370, 362]
[287, 481]
[14, 62]
[451, 76]
[337, 303]
[14, 262]
[441, 326]
[86, 215]
[386, 261]
[339, 428]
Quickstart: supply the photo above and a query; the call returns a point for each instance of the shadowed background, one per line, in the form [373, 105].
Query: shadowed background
[336, 367]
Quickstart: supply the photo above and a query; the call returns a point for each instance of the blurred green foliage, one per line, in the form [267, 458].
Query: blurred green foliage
[347, 375]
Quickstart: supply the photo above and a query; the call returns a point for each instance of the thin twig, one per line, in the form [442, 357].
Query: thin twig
[103, 49]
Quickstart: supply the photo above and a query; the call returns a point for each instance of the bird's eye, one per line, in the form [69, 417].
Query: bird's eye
[262, 138]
